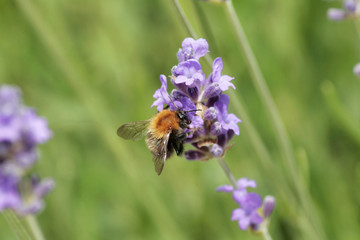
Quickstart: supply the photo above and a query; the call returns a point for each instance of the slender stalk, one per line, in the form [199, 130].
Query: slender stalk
[266, 234]
[58, 50]
[281, 136]
[16, 225]
[227, 172]
[263, 90]
[34, 227]
[183, 18]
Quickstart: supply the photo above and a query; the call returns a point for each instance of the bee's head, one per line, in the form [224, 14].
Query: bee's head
[184, 121]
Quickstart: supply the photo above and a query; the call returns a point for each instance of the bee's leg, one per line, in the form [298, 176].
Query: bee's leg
[181, 137]
[179, 148]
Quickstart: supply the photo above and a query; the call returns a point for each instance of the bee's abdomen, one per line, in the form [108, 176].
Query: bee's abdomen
[163, 122]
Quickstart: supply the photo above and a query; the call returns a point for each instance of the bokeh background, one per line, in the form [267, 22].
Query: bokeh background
[90, 66]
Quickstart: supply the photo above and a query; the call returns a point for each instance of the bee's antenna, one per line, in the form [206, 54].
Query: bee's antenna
[195, 110]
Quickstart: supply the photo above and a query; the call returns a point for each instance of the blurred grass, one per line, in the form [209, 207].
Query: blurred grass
[91, 66]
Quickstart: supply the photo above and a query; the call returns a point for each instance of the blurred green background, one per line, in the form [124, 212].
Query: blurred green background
[90, 66]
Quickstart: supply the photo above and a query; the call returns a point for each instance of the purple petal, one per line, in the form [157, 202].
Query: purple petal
[239, 195]
[245, 182]
[244, 223]
[196, 122]
[161, 95]
[216, 150]
[192, 49]
[256, 218]
[224, 83]
[336, 14]
[356, 70]
[350, 5]
[225, 188]
[251, 202]
[237, 214]
[210, 113]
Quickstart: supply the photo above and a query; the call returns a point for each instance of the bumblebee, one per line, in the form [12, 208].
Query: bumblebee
[163, 134]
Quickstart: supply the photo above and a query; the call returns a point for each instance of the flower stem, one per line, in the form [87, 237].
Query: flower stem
[227, 172]
[16, 225]
[281, 136]
[34, 227]
[265, 233]
[183, 18]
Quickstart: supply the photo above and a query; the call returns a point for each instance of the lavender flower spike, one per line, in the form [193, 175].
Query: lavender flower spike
[21, 130]
[211, 127]
[253, 213]
[248, 214]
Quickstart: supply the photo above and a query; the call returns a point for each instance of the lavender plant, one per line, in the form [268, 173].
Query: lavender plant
[212, 126]
[21, 130]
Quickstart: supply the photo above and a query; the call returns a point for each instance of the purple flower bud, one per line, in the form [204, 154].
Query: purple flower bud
[193, 93]
[357, 69]
[350, 5]
[210, 113]
[222, 140]
[213, 90]
[216, 128]
[268, 206]
[194, 155]
[336, 14]
[216, 150]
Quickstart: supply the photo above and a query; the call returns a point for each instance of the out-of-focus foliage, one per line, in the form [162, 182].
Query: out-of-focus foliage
[90, 66]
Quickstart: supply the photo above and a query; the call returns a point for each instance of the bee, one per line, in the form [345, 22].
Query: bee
[163, 133]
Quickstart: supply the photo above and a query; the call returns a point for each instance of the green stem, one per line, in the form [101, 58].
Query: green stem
[183, 18]
[263, 90]
[281, 136]
[227, 172]
[34, 227]
[77, 79]
[265, 233]
[16, 225]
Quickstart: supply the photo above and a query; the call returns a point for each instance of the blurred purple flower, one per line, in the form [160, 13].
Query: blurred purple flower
[349, 11]
[248, 214]
[21, 129]
[356, 69]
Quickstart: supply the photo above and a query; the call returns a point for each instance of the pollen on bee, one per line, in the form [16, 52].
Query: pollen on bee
[163, 122]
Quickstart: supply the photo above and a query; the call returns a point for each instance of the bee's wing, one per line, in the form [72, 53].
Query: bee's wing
[133, 130]
[159, 159]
